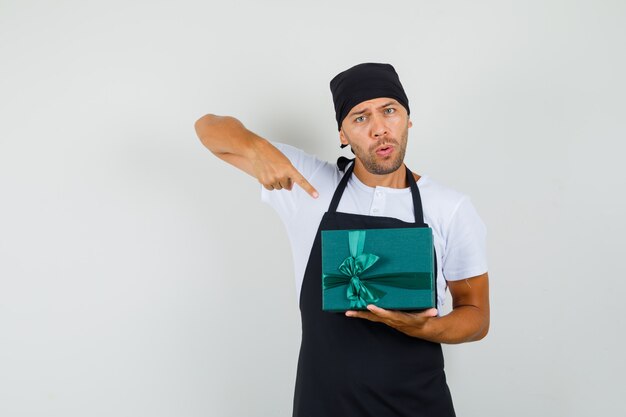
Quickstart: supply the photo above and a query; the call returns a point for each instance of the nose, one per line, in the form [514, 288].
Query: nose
[378, 126]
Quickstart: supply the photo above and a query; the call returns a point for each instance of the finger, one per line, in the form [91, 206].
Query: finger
[268, 187]
[385, 314]
[431, 312]
[390, 314]
[306, 186]
[278, 186]
[285, 183]
[363, 315]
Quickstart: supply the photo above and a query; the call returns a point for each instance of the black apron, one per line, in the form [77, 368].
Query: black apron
[352, 367]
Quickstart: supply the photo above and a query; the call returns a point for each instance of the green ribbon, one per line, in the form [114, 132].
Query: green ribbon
[360, 292]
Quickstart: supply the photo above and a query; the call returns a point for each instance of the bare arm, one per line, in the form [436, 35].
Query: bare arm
[468, 321]
[228, 139]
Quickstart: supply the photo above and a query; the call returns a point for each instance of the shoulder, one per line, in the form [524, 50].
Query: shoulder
[439, 197]
[447, 209]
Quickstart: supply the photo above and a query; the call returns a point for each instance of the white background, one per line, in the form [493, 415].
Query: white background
[142, 276]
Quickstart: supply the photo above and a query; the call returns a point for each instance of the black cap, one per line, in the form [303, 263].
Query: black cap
[365, 82]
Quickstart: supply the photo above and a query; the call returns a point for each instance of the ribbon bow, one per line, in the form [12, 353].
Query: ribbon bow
[360, 292]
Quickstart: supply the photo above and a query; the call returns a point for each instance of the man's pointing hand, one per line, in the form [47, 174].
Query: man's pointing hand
[275, 172]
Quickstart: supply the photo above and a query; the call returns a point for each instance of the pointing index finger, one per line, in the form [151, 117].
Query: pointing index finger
[306, 186]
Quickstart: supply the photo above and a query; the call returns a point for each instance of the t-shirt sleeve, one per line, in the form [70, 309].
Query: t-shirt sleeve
[285, 202]
[465, 254]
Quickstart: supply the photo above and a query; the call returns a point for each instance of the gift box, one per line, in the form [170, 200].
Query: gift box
[391, 268]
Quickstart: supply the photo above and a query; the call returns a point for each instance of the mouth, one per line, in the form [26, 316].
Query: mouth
[385, 150]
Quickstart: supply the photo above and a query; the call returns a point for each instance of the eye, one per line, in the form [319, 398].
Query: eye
[359, 119]
[390, 110]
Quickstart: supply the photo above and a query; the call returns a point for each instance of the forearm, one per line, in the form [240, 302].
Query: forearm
[228, 139]
[227, 135]
[467, 322]
[464, 324]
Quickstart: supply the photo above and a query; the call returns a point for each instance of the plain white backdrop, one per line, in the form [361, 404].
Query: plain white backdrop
[142, 276]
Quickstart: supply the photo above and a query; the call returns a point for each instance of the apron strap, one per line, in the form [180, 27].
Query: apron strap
[417, 198]
[415, 193]
[342, 184]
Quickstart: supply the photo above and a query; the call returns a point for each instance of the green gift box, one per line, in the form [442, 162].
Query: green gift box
[391, 268]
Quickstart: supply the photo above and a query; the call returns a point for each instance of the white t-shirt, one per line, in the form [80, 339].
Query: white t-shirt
[459, 233]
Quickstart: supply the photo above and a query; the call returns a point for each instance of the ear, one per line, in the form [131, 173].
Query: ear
[342, 137]
[410, 123]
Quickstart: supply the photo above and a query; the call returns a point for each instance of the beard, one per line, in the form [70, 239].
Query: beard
[374, 164]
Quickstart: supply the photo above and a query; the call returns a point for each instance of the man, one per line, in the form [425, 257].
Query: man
[374, 362]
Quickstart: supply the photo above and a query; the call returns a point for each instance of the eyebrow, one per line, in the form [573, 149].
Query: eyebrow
[354, 113]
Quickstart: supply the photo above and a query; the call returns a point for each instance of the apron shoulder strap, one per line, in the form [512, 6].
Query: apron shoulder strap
[417, 198]
[341, 163]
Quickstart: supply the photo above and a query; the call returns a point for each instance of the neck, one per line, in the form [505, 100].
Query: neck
[395, 179]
